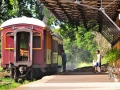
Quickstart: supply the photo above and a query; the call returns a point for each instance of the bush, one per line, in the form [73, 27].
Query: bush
[112, 55]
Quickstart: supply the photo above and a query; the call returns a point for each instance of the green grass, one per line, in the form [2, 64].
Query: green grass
[10, 86]
[9, 80]
[104, 61]
[0, 69]
[83, 64]
[0, 65]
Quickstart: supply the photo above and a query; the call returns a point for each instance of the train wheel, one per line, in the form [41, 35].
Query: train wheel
[54, 70]
[51, 71]
[47, 71]
[15, 75]
[31, 75]
[12, 73]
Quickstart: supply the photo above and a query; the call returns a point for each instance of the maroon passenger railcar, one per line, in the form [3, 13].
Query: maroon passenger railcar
[28, 47]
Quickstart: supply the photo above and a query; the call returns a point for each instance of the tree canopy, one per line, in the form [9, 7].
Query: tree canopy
[17, 8]
[81, 42]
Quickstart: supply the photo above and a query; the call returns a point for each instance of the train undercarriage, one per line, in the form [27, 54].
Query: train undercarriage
[29, 73]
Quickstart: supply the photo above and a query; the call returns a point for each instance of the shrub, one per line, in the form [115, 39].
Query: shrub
[112, 55]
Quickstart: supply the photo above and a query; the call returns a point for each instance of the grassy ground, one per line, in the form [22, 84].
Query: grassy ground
[0, 65]
[9, 84]
[0, 69]
[84, 64]
[104, 61]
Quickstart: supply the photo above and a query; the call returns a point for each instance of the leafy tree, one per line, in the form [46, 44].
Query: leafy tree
[17, 8]
[78, 42]
[30, 8]
[50, 17]
[5, 9]
[112, 55]
[86, 42]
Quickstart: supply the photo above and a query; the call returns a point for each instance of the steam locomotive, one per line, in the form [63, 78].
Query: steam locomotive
[29, 48]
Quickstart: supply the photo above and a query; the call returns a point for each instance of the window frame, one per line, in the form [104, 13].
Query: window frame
[5, 40]
[40, 35]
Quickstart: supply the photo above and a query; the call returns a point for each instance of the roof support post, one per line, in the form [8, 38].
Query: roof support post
[101, 3]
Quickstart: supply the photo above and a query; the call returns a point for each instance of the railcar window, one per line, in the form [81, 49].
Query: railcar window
[59, 49]
[9, 43]
[36, 40]
[55, 46]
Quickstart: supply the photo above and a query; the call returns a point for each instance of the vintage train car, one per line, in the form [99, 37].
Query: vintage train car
[29, 48]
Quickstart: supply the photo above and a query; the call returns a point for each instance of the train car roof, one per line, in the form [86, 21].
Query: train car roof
[23, 20]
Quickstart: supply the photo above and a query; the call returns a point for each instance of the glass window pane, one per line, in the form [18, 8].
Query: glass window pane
[36, 40]
[9, 40]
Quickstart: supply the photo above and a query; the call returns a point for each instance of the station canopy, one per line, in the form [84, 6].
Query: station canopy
[90, 12]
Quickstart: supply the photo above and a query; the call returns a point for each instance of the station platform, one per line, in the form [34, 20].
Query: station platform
[73, 81]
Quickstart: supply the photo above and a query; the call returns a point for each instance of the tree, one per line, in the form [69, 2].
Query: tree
[78, 42]
[5, 10]
[86, 41]
[17, 8]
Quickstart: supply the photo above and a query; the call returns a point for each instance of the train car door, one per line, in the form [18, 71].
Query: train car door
[23, 47]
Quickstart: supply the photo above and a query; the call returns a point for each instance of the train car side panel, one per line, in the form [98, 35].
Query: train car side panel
[60, 48]
[48, 47]
[54, 50]
[7, 46]
[38, 46]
